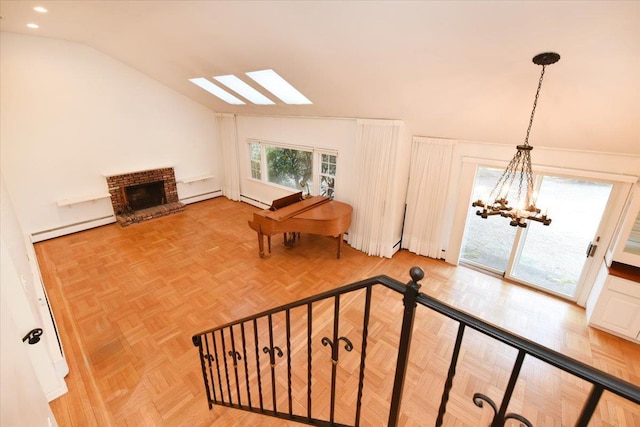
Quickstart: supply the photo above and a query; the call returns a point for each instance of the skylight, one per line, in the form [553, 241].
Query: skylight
[238, 86]
[268, 79]
[216, 90]
[278, 86]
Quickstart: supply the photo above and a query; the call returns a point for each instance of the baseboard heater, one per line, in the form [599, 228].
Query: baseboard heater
[51, 233]
[201, 197]
[254, 202]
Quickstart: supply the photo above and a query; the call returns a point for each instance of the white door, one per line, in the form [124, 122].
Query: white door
[26, 318]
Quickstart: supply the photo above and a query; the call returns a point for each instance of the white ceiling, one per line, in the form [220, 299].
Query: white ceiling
[449, 69]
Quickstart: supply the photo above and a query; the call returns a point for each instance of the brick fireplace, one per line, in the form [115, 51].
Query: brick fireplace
[143, 195]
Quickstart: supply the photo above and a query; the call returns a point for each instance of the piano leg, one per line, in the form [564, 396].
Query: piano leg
[290, 239]
[261, 244]
[256, 227]
[339, 245]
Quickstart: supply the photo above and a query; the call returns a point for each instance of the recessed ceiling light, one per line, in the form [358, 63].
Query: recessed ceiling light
[40, 9]
[32, 25]
[216, 90]
[278, 86]
[237, 85]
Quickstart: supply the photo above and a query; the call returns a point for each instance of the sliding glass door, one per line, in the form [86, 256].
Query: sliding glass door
[551, 258]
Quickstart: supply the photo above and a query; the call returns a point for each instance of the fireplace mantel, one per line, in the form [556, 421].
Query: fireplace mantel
[112, 175]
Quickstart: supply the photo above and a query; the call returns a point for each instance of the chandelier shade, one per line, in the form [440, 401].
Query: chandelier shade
[518, 173]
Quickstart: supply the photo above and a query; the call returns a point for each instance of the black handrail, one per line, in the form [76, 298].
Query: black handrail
[207, 343]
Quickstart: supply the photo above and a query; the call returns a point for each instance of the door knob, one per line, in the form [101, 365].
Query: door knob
[33, 336]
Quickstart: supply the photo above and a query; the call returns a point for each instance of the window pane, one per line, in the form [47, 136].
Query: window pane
[327, 177]
[288, 167]
[487, 242]
[255, 151]
[255, 155]
[255, 170]
[327, 186]
[553, 257]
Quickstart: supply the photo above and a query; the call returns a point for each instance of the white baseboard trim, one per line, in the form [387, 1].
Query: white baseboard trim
[54, 394]
[61, 367]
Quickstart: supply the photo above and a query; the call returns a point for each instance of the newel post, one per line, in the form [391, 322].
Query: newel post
[409, 300]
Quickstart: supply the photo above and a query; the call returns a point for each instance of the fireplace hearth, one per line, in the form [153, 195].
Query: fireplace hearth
[140, 196]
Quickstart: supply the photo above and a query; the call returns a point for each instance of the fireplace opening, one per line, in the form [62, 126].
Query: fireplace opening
[146, 195]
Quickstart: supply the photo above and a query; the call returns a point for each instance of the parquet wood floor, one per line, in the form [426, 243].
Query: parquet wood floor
[128, 300]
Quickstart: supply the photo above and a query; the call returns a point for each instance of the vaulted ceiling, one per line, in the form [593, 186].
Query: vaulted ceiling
[449, 69]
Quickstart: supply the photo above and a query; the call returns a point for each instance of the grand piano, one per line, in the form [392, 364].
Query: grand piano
[292, 215]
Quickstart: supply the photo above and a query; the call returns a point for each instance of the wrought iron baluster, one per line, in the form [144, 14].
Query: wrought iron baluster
[452, 371]
[334, 355]
[255, 338]
[246, 366]
[590, 406]
[500, 415]
[288, 325]
[235, 356]
[309, 358]
[273, 364]
[197, 341]
[363, 352]
[333, 344]
[226, 368]
[210, 359]
[217, 360]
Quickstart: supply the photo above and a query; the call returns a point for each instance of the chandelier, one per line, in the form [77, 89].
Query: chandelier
[518, 169]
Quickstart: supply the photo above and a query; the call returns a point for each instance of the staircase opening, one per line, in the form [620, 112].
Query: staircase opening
[306, 362]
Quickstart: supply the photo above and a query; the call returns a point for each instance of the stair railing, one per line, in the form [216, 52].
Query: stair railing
[226, 353]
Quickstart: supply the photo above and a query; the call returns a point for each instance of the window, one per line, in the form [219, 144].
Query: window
[327, 174]
[299, 168]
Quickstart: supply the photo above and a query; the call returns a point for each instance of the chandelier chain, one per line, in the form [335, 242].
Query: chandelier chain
[535, 103]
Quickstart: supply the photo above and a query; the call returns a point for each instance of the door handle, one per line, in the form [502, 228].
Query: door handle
[33, 336]
[591, 249]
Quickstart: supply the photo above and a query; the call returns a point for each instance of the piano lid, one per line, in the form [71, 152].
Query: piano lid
[296, 208]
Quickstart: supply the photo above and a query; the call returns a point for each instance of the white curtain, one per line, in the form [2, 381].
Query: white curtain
[371, 230]
[427, 196]
[228, 140]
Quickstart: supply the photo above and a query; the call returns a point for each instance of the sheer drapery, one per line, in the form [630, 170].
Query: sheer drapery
[228, 140]
[375, 156]
[427, 196]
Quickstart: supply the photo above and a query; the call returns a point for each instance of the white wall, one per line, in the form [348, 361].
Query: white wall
[69, 115]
